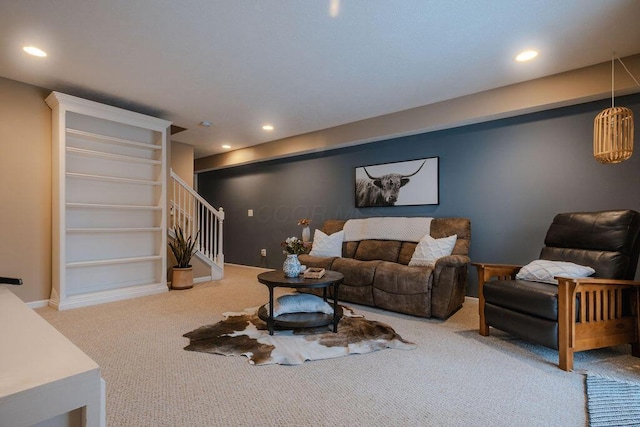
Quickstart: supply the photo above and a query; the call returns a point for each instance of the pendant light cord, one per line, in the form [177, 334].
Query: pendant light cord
[613, 65]
[613, 74]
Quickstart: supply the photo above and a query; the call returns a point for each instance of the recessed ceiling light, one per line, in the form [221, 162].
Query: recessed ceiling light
[32, 50]
[205, 123]
[267, 127]
[334, 8]
[527, 55]
[226, 146]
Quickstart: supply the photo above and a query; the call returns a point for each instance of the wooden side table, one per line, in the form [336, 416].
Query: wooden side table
[275, 279]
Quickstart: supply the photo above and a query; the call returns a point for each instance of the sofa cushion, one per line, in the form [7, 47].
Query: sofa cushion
[331, 226]
[401, 279]
[606, 264]
[384, 250]
[349, 249]
[356, 272]
[535, 329]
[536, 298]
[401, 288]
[443, 227]
[358, 294]
[429, 250]
[416, 304]
[406, 252]
[327, 245]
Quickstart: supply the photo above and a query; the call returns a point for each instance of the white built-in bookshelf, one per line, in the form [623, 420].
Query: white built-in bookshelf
[109, 203]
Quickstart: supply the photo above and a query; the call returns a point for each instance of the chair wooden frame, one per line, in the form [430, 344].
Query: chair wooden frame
[600, 321]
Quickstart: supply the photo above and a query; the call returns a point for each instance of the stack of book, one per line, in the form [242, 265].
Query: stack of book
[313, 273]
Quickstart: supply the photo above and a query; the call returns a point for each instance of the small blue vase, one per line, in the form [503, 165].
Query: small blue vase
[291, 266]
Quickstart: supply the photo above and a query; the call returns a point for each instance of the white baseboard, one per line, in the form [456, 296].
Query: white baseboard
[107, 296]
[38, 304]
[248, 266]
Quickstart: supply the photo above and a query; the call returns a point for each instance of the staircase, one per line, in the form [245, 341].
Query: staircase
[191, 212]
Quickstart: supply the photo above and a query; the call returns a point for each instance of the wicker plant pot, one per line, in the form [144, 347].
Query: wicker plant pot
[182, 278]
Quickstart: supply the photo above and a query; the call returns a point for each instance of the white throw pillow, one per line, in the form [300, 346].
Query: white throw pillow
[543, 270]
[330, 246]
[429, 250]
[299, 303]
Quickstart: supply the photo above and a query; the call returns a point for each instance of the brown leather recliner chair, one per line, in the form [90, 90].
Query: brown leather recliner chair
[579, 313]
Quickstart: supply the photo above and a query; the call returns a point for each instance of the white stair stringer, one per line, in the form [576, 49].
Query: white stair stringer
[217, 271]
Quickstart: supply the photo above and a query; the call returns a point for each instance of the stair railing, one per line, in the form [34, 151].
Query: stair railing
[192, 213]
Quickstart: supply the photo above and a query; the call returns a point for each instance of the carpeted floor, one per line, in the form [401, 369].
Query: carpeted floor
[454, 377]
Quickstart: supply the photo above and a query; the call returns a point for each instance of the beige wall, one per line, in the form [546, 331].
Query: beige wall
[25, 188]
[560, 90]
[182, 165]
[182, 161]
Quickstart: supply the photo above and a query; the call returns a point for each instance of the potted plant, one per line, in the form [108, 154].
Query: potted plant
[183, 249]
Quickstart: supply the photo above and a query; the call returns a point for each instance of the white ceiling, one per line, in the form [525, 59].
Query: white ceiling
[242, 63]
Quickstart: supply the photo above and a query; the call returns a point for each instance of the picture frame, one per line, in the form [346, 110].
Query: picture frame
[406, 183]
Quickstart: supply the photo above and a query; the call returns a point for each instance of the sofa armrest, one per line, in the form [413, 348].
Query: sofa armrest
[500, 271]
[596, 281]
[316, 261]
[485, 273]
[449, 285]
[452, 261]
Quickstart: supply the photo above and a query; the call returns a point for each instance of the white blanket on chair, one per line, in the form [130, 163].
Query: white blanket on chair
[387, 228]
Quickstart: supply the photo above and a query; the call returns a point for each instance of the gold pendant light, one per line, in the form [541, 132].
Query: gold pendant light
[613, 130]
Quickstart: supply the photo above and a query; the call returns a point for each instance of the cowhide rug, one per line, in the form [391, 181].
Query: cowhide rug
[246, 334]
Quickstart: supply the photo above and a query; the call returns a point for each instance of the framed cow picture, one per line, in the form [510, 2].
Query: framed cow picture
[413, 182]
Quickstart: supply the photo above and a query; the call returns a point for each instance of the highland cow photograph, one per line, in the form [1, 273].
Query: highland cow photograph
[413, 182]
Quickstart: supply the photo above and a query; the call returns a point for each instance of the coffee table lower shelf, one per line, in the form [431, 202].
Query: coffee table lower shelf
[299, 320]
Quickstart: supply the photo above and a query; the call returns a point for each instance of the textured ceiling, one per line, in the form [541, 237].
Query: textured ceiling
[242, 63]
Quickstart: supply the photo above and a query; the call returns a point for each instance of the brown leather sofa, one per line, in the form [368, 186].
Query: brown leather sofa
[376, 272]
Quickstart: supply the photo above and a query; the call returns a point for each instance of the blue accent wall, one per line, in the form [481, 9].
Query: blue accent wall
[510, 177]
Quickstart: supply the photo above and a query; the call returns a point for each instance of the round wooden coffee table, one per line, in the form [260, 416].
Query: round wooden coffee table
[275, 279]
